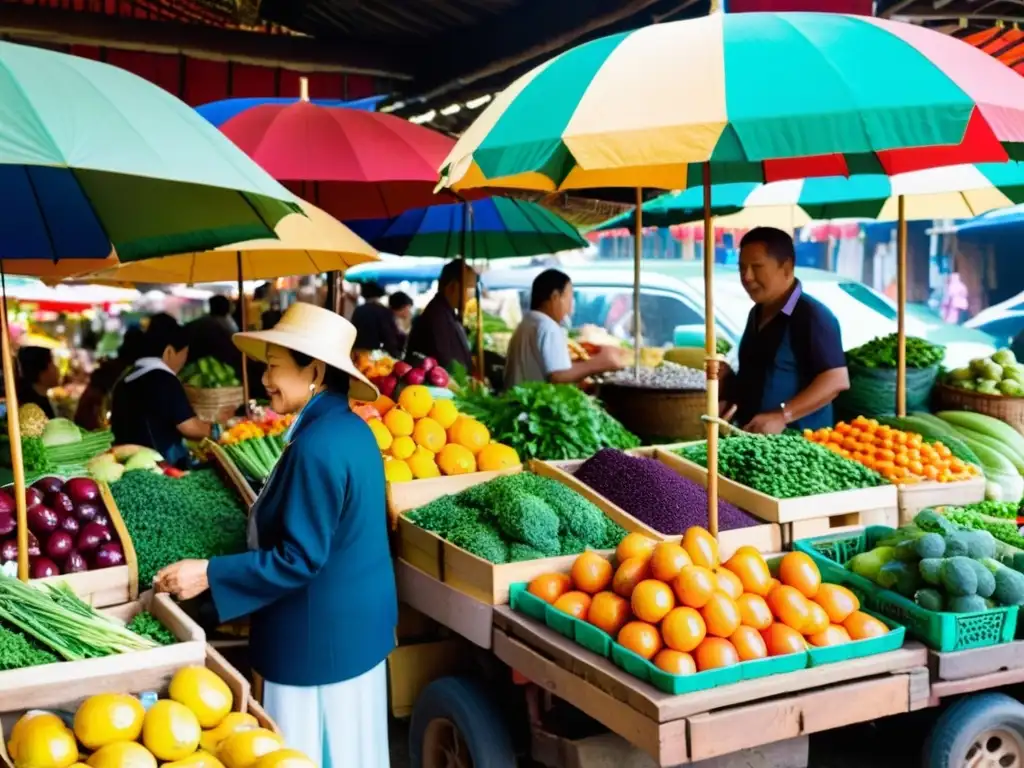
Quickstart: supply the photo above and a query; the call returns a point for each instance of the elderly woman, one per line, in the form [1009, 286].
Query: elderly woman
[317, 581]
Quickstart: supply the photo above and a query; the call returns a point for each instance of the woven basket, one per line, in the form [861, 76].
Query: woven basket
[1008, 409]
[218, 404]
[657, 413]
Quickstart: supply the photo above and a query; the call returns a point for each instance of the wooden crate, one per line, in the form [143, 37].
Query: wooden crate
[229, 472]
[821, 526]
[914, 498]
[51, 684]
[442, 603]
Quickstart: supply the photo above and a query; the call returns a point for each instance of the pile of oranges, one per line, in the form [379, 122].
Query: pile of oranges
[676, 605]
[899, 457]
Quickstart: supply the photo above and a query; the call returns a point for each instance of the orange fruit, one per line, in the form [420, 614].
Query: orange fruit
[591, 573]
[715, 652]
[444, 413]
[752, 570]
[721, 615]
[694, 586]
[833, 635]
[381, 434]
[634, 545]
[861, 625]
[789, 606]
[773, 584]
[383, 404]
[470, 434]
[416, 400]
[630, 573]
[609, 612]
[495, 457]
[675, 662]
[455, 459]
[838, 602]
[399, 423]
[549, 586]
[575, 604]
[754, 611]
[818, 620]
[728, 583]
[640, 638]
[683, 629]
[780, 640]
[701, 547]
[667, 560]
[652, 600]
[748, 644]
[429, 434]
[798, 570]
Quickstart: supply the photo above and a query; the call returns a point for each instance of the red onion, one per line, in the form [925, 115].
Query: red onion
[33, 497]
[33, 545]
[86, 511]
[102, 518]
[108, 555]
[6, 503]
[91, 536]
[42, 568]
[60, 502]
[42, 519]
[82, 489]
[7, 523]
[49, 484]
[8, 551]
[69, 523]
[75, 563]
[59, 544]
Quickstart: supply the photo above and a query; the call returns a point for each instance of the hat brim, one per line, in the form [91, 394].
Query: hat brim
[255, 344]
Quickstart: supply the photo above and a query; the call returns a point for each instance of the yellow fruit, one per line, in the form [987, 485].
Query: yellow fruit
[122, 754]
[198, 759]
[471, 434]
[23, 721]
[380, 434]
[429, 434]
[456, 460]
[416, 400]
[235, 721]
[423, 465]
[403, 447]
[397, 471]
[44, 742]
[243, 749]
[444, 413]
[495, 457]
[285, 758]
[204, 693]
[454, 427]
[170, 731]
[107, 718]
[398, 422]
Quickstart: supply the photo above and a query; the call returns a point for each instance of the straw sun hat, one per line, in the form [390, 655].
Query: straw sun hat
[319, 333]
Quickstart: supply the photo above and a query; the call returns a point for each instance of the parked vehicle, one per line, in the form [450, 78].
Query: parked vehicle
[1004, 320]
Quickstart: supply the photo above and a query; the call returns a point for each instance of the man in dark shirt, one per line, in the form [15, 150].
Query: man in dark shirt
[210, 335]
[791, 360]
[375, 323]
[437, 332]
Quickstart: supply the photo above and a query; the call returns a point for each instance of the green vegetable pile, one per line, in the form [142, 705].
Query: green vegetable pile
[546, 421]
[19, 650]
[519, 517]
[881, 352]
[145, 624]
[980, 517]
[172, 519]
[999, 374]
[209, 373]
[784, 466]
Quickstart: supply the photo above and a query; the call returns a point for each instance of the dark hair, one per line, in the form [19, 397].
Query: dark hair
[546, 283]
[220, 306]
[33, 361]
[163, 331]
[777, 243]
[371, 290]
[399, 301]
[451, 273]
[335, 380]
[131, 345]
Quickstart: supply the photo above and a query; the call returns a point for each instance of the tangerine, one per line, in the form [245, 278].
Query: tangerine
[455, 459]
[591, 573]
[471, 434]
[429, 434]
[797, 569]
[752, 570]
[701, 547]
[608, 612]
[383, 404]
[861, 625]
[403, 447]
[399, 423]
[667, 560]
[640, 638]
[789, 606]
[550, 586]
[683, 629]
[630, 573]
[423, 465]
[728, 583]
[694, 586]
[748, 643]
[416, 400]
[721, 615]
[380, 433]
[838, 602]
[754, 611]
[397, 471]
[634, 545]
[652, 600]
[675, 662]
[715, 652]
[818, 621]
[444, 413]
[833, 635]
[495, 457]
[575, 604]
[780, 639]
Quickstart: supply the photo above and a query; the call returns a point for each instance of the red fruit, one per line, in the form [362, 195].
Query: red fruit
[401, 368]
[387, 385]
[438, 376]
[428, 364]
[415, 376]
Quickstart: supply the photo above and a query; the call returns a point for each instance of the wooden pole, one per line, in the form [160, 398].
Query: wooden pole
[711, 367]
[14, 433]
[638, 250]
[901, 308]
[242, 316]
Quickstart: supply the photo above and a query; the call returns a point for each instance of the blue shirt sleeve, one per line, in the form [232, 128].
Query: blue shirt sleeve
[824, 342]
[553, 348]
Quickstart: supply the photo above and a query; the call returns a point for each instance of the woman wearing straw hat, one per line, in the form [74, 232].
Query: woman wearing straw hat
[317, 580]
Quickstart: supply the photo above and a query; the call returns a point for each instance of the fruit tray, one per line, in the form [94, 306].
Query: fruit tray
[940, 631]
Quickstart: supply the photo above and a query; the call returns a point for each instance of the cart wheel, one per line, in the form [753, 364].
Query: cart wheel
[456, 724]
[983, 731]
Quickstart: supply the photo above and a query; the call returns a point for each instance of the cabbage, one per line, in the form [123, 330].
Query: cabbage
[61, 432]
[1010, 484]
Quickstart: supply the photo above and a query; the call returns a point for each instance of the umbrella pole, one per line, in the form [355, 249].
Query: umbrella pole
[481, 369]
[242, 314]
[14, 433]
[901, 308]
[711, 355]
[638, 249]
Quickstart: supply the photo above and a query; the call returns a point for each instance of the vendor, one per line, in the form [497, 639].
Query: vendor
[318, 580]
[539, 349]
[375, 323]
[438, 331]
[38, 375]
[791, 360]
[148, 406]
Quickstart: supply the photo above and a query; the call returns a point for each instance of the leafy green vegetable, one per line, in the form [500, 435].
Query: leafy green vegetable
[145, 624]
[529, 520]
[482, 539]
[1006, 531]
[19, 650]
[881, 352]
[33, 455]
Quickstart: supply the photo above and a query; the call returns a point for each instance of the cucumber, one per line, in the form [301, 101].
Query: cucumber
[987, 425]
[936, 424]
[991, 460]
[1003, 449]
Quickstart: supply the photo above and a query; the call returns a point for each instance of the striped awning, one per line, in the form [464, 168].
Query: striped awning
[1005, 43]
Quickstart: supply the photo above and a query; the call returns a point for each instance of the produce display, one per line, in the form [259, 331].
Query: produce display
[145, 624]
[209, 373]
[665, 376]
[898, 456]
[69, 528]
[110, 467]
[881, 352]
[193, 726]
[56, 446]
[654, 494]
[169, 519]
[784, 466]
[518, 517]
[255, 446]
[998, 374]
[421, 437]
[392, 376]
[924, 424]
[999, 518]
[546, 421]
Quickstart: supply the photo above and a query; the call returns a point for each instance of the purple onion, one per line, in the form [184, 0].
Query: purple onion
[86, 511]
[91, 536]
[7, 503]
[42, 568]
[48, 485]
[59, 544]
[42, 519]
[33, 545]
[75, 563]
[103, 519]
[33, 497]
[69, 523]
[8, 551]
[82, 490]
[7, 523]
[108, 555]
[60, 502]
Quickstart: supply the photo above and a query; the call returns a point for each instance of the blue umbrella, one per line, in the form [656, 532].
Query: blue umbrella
[219, 112]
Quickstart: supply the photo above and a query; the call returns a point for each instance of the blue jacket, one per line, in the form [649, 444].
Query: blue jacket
[321, 588]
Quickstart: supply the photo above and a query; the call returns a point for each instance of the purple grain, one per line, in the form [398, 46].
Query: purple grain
[654, 494]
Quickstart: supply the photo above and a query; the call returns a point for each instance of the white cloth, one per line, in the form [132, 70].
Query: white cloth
[344, 725]
[146, 364]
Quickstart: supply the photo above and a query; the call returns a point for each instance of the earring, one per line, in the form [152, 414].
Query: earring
[312, 388]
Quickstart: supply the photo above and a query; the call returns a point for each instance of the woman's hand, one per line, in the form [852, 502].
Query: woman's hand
[185, 579]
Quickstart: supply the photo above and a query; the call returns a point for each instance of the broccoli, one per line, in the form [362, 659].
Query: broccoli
[931, 571]
[967, 604]
[443, 515]
[1009, 583]
[906, 551]
[517, 553]
[930, 545]
[613, 534]
[958, 576]
[957, 544]
[899, 576]
[486, 496]
[527, 519]
[930, 520]
[481, 540]
[980, 544]
[570, 545]
[577, 516]
[929, 599]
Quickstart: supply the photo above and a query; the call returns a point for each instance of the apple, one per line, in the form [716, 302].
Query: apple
[400, 369]
[438, 376]
[415, 376]
[428, 364]
[387, 384]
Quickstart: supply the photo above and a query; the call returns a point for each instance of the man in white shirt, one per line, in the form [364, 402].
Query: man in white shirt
[539, 349]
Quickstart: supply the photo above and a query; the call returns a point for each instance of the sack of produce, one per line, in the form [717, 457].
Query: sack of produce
[872, 368]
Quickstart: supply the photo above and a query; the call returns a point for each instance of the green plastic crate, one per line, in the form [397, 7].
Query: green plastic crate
[861, 648]
[940, 631]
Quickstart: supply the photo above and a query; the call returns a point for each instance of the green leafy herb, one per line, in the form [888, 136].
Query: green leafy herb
[881, 352]
[145, 624]
[19, 650]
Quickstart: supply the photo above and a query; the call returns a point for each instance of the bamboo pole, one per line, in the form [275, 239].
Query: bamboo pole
[242, 316]
[901, 308]
[638, 251]
[14, 433]
[711, 363]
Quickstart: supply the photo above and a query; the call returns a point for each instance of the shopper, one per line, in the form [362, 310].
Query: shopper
[210, 335]
[438, 331]
[375, 323]
[94, 404]
[39, 375]
[318, 580]
[401, 306]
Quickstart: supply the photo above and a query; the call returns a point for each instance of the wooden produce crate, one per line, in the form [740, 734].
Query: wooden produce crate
[766, 538]
[914, 498]
[229, 472]
[50, 684]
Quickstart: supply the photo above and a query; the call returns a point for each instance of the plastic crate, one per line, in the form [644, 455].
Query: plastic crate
[940, 631]
[860, 648]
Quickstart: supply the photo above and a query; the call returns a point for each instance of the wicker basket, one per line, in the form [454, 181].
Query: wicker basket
[218, 404]
[1008, 409]
[657, 413]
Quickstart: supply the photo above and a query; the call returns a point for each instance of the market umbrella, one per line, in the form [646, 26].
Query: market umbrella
[749, 97]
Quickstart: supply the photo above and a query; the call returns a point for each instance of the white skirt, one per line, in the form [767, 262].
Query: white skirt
[344, 725]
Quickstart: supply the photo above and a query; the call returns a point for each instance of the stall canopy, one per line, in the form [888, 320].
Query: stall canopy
[67, 298]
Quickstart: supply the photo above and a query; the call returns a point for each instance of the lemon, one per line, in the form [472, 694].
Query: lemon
[19, 728]
[444, 413]
[429, 434]
[44, 742]
[107, 718]
[398, 422]
[416, 400]
[471, 434]
[496, 456]
[285, 758]
[423, 465]
[204, 693]
[243, 749]
[403, 447]
[235, 721]
[170, 731]
[380, 433]
[198, 759]
[397, 471]
[122, 754]
[456, 460]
